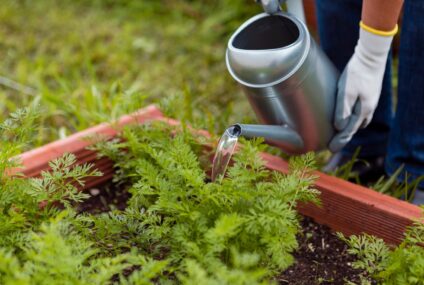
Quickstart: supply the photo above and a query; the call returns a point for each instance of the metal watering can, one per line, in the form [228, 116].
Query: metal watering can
[289, 82]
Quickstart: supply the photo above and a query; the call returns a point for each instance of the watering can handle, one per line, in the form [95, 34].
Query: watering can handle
[295, 7]
[271, 6]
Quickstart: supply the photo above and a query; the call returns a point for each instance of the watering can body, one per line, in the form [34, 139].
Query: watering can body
[289, 82]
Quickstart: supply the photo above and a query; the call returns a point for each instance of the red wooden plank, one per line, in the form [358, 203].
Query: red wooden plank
[36, 160]
[354, 209]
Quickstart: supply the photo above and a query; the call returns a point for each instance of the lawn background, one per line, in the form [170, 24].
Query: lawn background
[85, 62]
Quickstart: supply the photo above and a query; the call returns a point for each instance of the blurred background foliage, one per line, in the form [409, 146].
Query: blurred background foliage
[86, 61]
[89, 61]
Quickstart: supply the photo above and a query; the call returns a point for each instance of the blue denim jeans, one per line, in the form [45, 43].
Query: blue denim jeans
[399, 136]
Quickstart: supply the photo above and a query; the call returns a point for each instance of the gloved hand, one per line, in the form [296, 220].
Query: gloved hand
[360, 85]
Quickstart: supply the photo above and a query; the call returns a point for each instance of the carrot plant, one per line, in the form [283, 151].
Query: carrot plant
[177, 228]
[238, 230]
[38, 244]
[403, 264]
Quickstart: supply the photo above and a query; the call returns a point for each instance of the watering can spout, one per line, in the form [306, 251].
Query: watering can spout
[281, 136]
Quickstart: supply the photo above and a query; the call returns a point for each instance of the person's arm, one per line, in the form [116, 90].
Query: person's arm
[360, 84]
[381, 15]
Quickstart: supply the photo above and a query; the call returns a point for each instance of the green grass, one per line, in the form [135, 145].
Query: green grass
[85, 62]
[89, 61]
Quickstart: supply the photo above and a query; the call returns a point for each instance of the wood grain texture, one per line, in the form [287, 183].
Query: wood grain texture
[37, 160]
[354, 209]
[346, 207]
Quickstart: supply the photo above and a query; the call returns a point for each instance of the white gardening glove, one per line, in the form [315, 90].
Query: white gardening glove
[360, 86]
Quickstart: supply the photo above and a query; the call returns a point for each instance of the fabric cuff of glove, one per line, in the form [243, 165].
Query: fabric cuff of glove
[379, 32]
[371, 48]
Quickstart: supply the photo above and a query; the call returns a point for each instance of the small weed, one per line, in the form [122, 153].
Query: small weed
[346, 172]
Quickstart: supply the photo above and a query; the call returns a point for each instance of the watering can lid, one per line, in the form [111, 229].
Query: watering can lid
[267, 49]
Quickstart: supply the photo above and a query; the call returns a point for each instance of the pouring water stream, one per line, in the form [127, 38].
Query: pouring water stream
[224, 151]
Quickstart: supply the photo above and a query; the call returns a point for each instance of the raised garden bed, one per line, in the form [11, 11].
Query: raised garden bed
[346, 207]
[321, 257]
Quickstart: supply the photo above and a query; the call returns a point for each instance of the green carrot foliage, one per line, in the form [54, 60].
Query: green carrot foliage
[177, 227]
[38, 244]
[245, 223]
[403, 264]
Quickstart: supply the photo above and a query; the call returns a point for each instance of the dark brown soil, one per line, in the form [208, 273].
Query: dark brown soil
[105, 198]
[322, 258]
